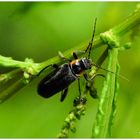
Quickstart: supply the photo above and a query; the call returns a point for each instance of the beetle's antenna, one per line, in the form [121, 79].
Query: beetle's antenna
[119, 75]
[93, 34]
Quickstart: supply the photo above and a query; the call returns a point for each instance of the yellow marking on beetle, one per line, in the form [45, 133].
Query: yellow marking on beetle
[74, 61]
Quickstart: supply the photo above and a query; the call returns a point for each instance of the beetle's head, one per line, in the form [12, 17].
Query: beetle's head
[86, 63]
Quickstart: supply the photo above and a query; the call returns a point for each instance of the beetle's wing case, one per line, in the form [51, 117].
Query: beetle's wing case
[56, 81]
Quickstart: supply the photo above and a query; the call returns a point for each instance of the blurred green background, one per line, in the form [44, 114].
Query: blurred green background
[39, 30]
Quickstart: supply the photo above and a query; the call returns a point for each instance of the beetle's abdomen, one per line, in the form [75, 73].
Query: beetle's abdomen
[56, 81]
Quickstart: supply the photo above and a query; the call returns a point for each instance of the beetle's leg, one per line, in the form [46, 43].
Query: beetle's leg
[64, 94]
[79, 88]
[89, 79]
[52, 65]
[90, 85]
[63, 57]
[86, 77]
[77, 52]
[79, 100]
[55, 66]
[75, 55]
[97, 74]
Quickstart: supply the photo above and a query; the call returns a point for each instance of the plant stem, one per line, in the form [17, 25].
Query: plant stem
[114, 106]
[7, 76]
[100, 129]
[7, 93]
[132, 21]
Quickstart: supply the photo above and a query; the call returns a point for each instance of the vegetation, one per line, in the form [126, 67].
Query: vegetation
[15, 74]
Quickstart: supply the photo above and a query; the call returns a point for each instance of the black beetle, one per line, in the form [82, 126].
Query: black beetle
[64, 75]
[60, 79]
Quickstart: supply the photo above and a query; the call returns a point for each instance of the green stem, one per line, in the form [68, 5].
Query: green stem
[100, 129]
[114, 103]
[8, 76]
[8, 92]
[132, 21]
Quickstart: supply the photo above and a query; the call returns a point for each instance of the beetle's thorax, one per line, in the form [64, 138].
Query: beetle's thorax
[78, 66]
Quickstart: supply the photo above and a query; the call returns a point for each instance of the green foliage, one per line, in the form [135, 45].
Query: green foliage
[38, 31]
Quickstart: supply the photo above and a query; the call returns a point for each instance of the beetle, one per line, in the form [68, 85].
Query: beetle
[62, 76]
